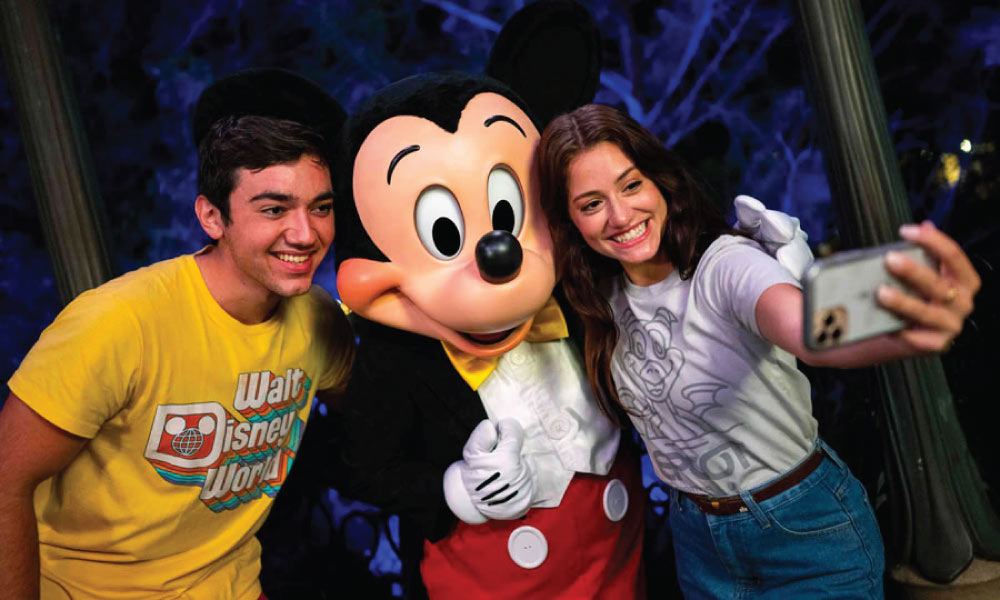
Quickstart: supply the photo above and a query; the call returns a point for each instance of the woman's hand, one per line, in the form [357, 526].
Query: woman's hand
[947, 294]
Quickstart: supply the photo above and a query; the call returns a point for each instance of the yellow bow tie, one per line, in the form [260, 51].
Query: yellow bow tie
[549, 324]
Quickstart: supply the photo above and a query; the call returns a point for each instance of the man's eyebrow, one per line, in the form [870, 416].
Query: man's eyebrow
[396, 159]
[282, 197]
[496, 118]
[276, 196]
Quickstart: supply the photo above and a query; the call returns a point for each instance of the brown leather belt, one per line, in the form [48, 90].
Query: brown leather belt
[730, 505]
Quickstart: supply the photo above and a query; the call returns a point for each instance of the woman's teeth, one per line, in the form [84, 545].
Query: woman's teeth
[631, 234]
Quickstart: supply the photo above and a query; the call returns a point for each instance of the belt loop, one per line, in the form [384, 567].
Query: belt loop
[754, 509]
[675, 499]
[845, 473]
[821, 445]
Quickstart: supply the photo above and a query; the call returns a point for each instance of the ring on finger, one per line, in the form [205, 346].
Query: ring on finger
[950, 295]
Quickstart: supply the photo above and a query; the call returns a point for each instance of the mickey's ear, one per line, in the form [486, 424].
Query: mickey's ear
[267, 92]
[549, 52]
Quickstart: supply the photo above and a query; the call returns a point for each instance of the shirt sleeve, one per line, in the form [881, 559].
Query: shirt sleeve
[82, 369]
[732, 275]
[337, 339]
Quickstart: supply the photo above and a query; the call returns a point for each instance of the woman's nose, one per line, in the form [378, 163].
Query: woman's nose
[618, 213]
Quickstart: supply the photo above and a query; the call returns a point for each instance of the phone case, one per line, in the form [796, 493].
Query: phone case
[839, 304]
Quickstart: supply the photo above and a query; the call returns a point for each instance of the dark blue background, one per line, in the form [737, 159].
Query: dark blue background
[720, 81]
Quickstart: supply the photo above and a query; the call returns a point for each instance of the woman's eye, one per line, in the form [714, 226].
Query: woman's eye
[506, 203]
[633, 185]
[439, 222]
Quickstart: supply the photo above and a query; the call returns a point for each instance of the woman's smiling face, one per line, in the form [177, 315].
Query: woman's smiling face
[619, 211]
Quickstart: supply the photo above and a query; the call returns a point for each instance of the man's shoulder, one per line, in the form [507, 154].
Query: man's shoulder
[315, 304]
[318, 313]
[149, 287]
[158, 276]
[318, 298]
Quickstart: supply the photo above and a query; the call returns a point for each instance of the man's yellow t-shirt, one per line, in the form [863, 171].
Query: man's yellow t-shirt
[194, 420]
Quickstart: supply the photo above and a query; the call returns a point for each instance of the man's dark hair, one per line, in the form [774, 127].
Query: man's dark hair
[250, 142]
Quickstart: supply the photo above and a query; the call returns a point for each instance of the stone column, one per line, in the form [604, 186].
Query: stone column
[940, 514]
[62, 172]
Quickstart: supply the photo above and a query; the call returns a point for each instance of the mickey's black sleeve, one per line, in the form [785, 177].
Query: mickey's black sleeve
[406, 416]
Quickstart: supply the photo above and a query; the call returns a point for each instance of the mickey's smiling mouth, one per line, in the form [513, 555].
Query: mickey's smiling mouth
[487, 339]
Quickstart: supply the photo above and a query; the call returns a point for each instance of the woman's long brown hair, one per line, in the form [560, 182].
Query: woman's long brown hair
[693, 223]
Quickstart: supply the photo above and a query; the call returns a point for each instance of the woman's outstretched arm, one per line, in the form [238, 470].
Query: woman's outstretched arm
[934, 319]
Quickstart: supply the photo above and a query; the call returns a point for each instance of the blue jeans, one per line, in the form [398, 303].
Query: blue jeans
[818, 539]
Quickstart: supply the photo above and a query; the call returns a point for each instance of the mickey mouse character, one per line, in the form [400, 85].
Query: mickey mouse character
[468, 412]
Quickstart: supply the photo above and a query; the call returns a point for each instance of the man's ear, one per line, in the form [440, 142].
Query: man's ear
[209, 216]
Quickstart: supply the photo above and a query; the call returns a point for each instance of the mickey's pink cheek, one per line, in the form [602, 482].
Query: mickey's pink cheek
[360, 282]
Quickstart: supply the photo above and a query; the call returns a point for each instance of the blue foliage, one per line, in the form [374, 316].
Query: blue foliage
[718, 80]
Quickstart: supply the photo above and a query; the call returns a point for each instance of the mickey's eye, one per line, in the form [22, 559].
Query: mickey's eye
[506, 203]
[439, 222]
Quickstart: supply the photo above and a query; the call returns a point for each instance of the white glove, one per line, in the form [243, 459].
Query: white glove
[777, 232]
[494, 481]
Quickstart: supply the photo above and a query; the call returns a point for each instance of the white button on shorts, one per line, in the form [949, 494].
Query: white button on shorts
[615, 500]
[527, 547]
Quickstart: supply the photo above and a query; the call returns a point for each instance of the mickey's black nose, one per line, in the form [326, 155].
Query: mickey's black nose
[498, 255]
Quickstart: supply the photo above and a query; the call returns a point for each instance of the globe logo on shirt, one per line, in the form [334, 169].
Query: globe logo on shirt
[187, 440]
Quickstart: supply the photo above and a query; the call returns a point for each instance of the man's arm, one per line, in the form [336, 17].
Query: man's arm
[31, 450]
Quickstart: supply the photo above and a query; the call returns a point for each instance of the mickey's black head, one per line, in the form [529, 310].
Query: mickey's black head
[273, 93]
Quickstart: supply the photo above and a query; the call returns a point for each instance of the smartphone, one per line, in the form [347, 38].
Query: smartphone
[840, 305]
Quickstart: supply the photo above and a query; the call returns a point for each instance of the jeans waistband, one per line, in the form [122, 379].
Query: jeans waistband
[730, 505]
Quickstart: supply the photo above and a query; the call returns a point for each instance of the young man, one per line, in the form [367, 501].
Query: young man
[150, 427]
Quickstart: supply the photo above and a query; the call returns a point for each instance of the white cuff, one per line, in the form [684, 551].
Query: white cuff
[458, 498]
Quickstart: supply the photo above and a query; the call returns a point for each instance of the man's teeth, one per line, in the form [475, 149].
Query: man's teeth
[631, 234]
[293, 258]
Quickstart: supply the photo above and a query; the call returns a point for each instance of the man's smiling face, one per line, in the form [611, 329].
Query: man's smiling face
[280, 227]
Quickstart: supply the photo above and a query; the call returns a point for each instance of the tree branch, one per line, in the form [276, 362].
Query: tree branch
[737, 81]
[692, 47]
[465, 14]
[620, 85]
[686, 107]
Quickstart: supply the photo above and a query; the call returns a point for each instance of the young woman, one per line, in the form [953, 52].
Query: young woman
[694, 331]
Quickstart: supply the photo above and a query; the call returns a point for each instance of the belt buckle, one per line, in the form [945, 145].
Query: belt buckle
[717, 505]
